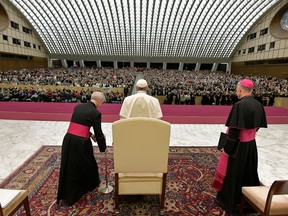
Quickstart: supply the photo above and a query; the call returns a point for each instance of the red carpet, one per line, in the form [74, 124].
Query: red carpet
[175, 114]
[188, 190]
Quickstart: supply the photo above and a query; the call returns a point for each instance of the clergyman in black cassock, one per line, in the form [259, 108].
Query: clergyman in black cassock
[246, 117]
[79, 170]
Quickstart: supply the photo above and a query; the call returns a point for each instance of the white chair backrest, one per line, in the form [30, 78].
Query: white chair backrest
[141, 145]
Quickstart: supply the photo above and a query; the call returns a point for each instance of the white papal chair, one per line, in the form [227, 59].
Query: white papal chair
[141, 148]
[267, 200]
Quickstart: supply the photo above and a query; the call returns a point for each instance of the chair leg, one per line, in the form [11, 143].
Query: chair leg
[162, 201]
[116, 195]
[162, 197]
[26, 206]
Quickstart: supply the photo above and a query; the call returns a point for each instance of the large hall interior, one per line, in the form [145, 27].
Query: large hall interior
[192, 53]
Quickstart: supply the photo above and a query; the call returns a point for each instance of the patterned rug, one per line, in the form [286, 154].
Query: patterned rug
[188, 190]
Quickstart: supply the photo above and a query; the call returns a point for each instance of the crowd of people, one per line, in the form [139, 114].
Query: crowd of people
[37, 81]
[215, 88]
[178, 87]
[38, 94]
[73, 76]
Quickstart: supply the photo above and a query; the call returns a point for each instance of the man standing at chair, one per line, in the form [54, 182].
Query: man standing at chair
[79, 170]
[246, 117]
[141, 104]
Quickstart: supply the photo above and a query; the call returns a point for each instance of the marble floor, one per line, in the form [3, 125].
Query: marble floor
[20, 139]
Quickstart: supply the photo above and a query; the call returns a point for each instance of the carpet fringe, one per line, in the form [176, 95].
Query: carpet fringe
[48, 212]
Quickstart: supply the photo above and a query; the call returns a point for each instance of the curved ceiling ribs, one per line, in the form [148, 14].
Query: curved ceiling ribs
[143, 28]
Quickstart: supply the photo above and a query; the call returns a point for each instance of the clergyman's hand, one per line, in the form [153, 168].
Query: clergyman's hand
[93, 137]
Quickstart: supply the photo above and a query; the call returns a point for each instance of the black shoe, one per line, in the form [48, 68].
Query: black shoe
[219, 202]
[64, 203]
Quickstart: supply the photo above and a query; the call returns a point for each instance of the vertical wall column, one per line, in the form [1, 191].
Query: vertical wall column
[131, 64]
[164, 65]
[98, 63]
[228, 68]
[64, 63]
[181, 65]
[148, 65]
[214, 67]
[197, 68]
[115, 64]
[81, 63]
[50, 62]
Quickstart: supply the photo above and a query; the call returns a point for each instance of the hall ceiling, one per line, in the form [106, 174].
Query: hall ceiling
[143, 28]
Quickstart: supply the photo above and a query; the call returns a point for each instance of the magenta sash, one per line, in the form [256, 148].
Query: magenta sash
[220, 172]
[78, 130]
[247, 135]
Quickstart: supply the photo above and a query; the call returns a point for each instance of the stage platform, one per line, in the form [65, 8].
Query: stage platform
[175, 114]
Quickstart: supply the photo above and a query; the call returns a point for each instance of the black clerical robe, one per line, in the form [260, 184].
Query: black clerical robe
[79, 170]
[244, 120]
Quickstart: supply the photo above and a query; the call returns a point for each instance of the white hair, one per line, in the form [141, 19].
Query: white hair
[98, 96]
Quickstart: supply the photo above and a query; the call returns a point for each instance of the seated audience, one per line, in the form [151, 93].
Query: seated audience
[176, 86]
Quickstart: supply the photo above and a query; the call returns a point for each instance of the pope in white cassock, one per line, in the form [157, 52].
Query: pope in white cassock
[141, 104]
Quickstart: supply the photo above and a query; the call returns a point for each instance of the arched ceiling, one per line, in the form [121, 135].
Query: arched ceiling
[143, 28]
